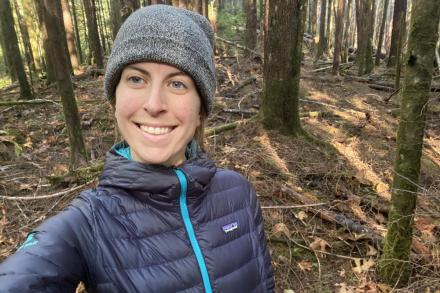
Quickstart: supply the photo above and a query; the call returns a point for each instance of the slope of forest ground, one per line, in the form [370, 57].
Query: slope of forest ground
[325, 205]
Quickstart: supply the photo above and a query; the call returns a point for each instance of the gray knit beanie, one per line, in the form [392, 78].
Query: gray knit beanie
[167, 34]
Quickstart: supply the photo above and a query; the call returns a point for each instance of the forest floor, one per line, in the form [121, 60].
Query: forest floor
[325, 205]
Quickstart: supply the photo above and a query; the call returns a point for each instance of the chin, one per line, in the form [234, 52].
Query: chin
[157, 158]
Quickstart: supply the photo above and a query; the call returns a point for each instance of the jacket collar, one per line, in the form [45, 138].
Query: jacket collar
[156, 184]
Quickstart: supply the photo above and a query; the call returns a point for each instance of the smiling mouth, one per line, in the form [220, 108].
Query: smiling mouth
[155, 130]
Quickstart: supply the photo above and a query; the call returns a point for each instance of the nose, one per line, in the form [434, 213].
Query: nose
[155, 102]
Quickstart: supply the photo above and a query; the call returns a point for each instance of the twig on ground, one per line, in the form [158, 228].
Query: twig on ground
[56, 194]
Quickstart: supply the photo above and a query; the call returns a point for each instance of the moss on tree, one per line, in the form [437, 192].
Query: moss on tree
[394, 265]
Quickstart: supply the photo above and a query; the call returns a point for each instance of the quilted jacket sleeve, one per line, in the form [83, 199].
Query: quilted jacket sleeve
[50, 260]
[267, 261]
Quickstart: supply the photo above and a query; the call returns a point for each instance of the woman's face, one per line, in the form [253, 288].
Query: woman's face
[157, 111]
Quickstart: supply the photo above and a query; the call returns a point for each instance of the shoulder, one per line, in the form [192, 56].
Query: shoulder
[230, 183]
[230, 179]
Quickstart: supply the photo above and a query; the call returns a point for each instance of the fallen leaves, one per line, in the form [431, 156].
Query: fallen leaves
[319, 246]
[363, 265]
[305, 265]
[281, 229]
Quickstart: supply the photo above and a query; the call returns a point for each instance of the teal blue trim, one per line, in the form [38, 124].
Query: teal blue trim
[124, 152]
[190, 230]
[30, 241]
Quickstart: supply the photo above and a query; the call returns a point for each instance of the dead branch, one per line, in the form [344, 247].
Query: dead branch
[335, 107]
[238, 46]
[387, 99]
[241, 111]
[300, 206]
[39, 197]
[342, 65]
[28, 102]
[381, 88]
[224, 127]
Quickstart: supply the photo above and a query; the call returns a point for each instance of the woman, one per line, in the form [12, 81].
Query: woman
[163, 218]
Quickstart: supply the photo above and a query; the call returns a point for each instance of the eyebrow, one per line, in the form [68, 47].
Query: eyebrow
[145, 72]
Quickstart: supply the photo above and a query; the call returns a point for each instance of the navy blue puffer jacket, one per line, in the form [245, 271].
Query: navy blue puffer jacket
[196, 228]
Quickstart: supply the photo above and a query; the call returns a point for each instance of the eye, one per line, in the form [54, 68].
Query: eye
[175, 84]
[135, 79]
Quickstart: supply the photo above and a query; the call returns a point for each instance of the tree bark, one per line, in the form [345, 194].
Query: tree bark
[70, 35]
[364, 20]
[92, 28]
[115, 16]
[282, 55]
[381, 32]
[250, 38]
[205, 8]
[313, 9]
[321, 43]
[327, 37]
[39, 5]
[198, 6]
[399, 10]
[340, 10]
[9, 67]
[78, 37]
[26, 42]
[127, 7]
[12, 50]
[64, 84]
[394, 265]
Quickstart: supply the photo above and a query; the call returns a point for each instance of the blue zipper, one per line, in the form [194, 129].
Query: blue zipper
[190, 230]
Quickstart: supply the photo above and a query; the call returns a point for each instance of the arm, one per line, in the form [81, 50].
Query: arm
[50, 259]
[267, 261]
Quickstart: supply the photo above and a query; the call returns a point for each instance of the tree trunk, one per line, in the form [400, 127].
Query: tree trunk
[47, 56]
[282, 55]
[364, 20]
[70, 36]
[78, 37]
[64, 84]
[101, 26]
[327, 37]
[399, 10]
[198, 6]
[394, 264]
[321, 43]
[313, 9]
[381, 32]
[12, 50]
[175, 3]
[127, 7]
[339, 19]
[115, 16]
[183, 4]
[346, 33]
[250, 38]
[205, 8]
[9, 67]
[26, 42]
[92, 28]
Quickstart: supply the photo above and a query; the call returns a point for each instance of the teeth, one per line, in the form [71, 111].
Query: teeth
[155, 130]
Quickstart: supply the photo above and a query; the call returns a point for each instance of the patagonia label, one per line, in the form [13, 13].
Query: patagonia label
[230, 227]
